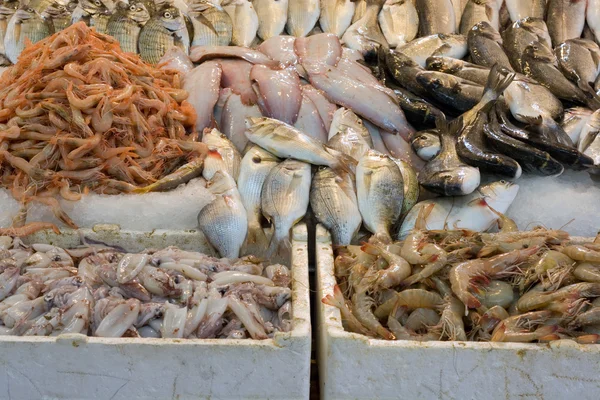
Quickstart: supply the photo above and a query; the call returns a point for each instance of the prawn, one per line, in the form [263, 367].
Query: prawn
[587, 272]
[574, 297]
[582, 253]
[437, 261]
[403, 333]
[524, 328]
[411, 299]
[397, 270]
[337, 300]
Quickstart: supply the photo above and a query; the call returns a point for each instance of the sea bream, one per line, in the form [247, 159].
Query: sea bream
[163, 31]
[126, 24]
[26, 24]
[399, 22]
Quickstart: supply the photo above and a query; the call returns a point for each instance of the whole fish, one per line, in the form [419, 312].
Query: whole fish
[365, 34]
[336, 16]
[325, 108]
[309, 120]
[592, 18]
[574, 121]
[176, 59]
[7, 9]
[59, 14]
[334, 203]
[245, 22]
[421, 49]
[478, 11]
[94, 13]
[462, 69]
[519, 9]
[279, 92]
[417, 109]
[284, 201]
[212, 25]
[26, 24]
[589, 142]
[527, 97]
[426, 144]
[399, 22]
[224, 221]
[411, 186]
[233, 120]
[485, 46]
[228, 158]
[459, 7]
[256, 165]
[321, 48]
[436, 16]
[566, 19]
[579, 60]
[470, 212]
[302, 16]
[163, 31]
[280, 49]
[272, 16]
[451, 90]
[348, 134]
[380, 193]
[126, 24]
[446, 174]
[404, 70]
[285, 141]
[361, 9]
[202, 83]
[521, 34]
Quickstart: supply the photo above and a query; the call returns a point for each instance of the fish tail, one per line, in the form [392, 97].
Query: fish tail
[343, 163]
[277, 241]
[496, 84]
[335, 300]
[256, 240]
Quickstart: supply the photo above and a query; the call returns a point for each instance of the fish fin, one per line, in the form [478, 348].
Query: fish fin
[480, 201]
[587, 140]
[229, 202]
[214, 153]
[489, 12]
[497, 83]
[294, 183]
[531, 120]
[256, 241]
[344, 164]
[440, 51]
[279, 245]
[335, 300]
[201, 18]
[367, 182]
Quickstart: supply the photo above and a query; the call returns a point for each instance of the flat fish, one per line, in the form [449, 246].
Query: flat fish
[203, 84]
[302, 16]
[399, 22]
[519, 9]
[279, 92]
[336, 16]
[309, 120]
[233, 120]
[272, 17]
[365, 34]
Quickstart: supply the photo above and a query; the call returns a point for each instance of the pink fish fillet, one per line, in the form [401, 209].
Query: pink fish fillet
[279, 92]
[203, 85]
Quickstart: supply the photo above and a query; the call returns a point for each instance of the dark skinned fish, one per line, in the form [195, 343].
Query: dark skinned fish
[485, 46]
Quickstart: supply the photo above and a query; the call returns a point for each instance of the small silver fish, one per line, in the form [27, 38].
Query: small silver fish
[348, 134]
[94, 13]
[365, 34]
[126, 24]
[399, 22]
[229, 159]
[163, 31]
[7, 9]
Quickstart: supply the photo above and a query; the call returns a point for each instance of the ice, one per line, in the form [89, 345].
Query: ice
[554, 202]
[177, 209]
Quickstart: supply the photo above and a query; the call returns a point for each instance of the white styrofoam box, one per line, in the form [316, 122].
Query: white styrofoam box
[81, 367]
[352, 366]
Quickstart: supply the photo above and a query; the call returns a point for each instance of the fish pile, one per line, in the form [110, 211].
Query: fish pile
[79, 115]
[459, 285]
[104, 291]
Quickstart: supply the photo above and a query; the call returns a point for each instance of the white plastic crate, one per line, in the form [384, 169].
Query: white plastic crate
[81, 367]
[352, 366]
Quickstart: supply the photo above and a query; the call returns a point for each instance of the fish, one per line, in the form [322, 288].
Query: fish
[95, 13]
[325, 108]
[272, 17]
[521, 34]
[375, 133]
[244, 20]
[451, 90]
[236, 76]
[579, 61]
[302, 16]
[403, 70]
[589, 142]
[361, 9]
[519, 9]
[26, 24]
[334, 203]
[228, 158]
[399, 148]
[592, 18]
[7, 9]
[380, 193]
[348, 134]
[436, 16]
[212, 25]
[309, 120]
[126, 24]
[527, 97]
[416, 109]
[336, 16]
[233, 120]
[477, 11]
[281, 49]
[411, 186]
[200, 54]
[321, 48]
[224, 220]
[176, 59]
[530, 158]
[541, 64]
[421, 49]
[399, 22]
[459, 7]
[446, 174]
[163, 31]
[59, 14]
[365, 34]
[565, 19]
[574, 121]
[284, 201]
[485, 46]
[256, 165]
[278, 91]
[285, 141]
[470, 212]
[463, 69]
[202, 83]
[426, 144]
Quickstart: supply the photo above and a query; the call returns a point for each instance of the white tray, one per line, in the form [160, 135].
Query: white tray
[81, 367]
[352, 366]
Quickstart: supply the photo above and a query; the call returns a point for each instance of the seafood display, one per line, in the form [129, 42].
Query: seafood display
[99, 290]
[461, 285]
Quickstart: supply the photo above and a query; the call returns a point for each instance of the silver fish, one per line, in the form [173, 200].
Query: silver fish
[126, 24]
[25, 24]
[485, 46]
[256, 165]
[589, 141]
[284, 201]
[245, 22]
[94, 13]
[592, 18]
[521, 34]
[272, 16]
[7, 9]
[212, 25]
[302, 16]
[336, 16]
[360, 10]
[436, 16]
[334, 203]
[228, 160]
[412, 188]
[566, 19]
[380, 193]
[163, 31]
[224, 221]
[419, 50]
[574, 121]
[477, 11]
[348, 134]
[527, 97]
[59, 14]
[365, 34]
[399, 22]
[579, 60]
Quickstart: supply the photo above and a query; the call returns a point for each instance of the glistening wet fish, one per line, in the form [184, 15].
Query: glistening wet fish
[566, 19]
[272, 16]
[59, 14]
[245, 22]
[399, 22]
[462, 69]
[574, 121]
[212, 25]
[421, 49]
[336, 15]
[302, 16]
[485, 46]
[7, 9]
[126, 24]
[579, 60]
[25, 24]
[589, 142]
[519, 9]
[436, 16]
[228, 158]
[521, 34]
[426, 144]
[365, 34]
[451, 90]
[477, 11]
[163, 31]
[348, 134]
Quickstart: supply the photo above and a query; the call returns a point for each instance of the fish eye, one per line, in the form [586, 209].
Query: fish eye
[503, 182]
[256, 160]
[30, 10]
[167, 14]
[132, 8]
[98, 3]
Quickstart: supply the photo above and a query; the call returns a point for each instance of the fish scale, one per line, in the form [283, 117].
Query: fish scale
[154, 41]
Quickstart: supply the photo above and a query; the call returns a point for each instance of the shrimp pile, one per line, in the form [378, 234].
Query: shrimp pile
[170, 293]
[511, 286]
[79, 115]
